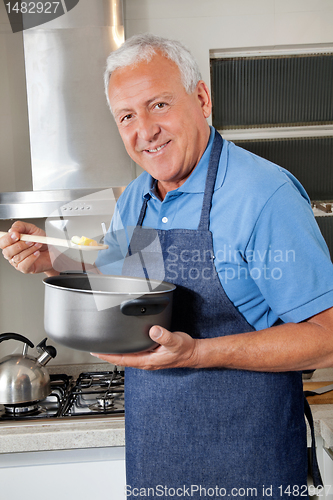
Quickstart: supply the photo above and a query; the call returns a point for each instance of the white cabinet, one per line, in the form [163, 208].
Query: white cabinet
[325, 461]
[328, 472]
[67, 474]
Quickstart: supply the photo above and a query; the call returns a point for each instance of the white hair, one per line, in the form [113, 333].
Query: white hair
[143, 47]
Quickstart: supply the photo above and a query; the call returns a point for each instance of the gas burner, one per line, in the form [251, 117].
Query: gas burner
[22, 409]
[102, 404]
[97, 393]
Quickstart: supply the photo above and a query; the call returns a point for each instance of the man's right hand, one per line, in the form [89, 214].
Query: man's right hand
[26, 257]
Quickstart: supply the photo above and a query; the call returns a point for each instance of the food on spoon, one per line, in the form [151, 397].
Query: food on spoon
[83, 241]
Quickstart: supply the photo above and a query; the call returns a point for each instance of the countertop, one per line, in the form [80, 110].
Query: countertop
[102, 432]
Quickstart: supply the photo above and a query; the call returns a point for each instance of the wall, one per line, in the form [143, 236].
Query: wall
[218, 24]
[202, 25]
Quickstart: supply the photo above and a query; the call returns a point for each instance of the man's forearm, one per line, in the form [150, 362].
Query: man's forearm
[292, 346]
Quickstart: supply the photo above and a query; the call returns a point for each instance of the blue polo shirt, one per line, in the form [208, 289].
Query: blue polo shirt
[270, 256]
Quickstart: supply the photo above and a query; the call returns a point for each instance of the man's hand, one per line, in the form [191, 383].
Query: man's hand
[175, 350]
[27, 257]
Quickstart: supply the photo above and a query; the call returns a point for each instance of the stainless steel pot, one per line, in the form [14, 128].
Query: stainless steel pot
[105, 314]
[23, 378]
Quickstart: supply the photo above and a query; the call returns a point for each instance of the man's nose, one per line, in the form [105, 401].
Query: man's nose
[148, 128]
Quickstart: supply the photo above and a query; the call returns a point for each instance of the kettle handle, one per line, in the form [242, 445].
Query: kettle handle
[15, 336]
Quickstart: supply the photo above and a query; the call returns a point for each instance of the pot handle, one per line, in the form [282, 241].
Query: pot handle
[66, 273]
[15, 336]
[144, 306]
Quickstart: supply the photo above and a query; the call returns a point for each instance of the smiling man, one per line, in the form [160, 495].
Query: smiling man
[217, 409]
[220, 405]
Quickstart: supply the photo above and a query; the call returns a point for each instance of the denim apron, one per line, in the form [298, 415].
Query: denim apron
[196, 433]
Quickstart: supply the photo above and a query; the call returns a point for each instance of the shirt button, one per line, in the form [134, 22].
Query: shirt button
[165, 219]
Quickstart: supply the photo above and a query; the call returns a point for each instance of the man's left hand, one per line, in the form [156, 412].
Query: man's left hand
[175, 350]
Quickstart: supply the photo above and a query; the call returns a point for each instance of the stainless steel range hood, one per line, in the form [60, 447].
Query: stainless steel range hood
[57, 203]
[74, 145]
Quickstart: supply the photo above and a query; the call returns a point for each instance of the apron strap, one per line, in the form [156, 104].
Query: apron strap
[210, 182]
[143, 210]
[314, 468]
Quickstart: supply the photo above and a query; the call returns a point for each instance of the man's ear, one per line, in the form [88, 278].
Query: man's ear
[204, 98]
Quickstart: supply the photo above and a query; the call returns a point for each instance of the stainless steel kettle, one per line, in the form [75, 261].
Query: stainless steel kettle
[23, 378]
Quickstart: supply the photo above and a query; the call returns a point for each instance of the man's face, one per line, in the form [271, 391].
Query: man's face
[164, 129]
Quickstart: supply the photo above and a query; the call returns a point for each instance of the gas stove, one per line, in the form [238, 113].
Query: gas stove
[92, 394]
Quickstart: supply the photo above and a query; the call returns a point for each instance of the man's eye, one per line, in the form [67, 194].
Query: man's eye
[125, 118]
[160, 105]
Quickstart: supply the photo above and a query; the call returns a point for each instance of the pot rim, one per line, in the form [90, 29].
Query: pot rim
[166, 286]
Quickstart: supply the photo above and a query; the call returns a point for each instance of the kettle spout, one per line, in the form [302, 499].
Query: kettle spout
[46, 352]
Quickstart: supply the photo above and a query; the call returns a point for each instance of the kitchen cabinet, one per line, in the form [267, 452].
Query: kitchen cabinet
[325, 460]
[67, 474]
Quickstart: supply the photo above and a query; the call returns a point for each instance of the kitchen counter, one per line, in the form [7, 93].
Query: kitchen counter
[62, 435]
[99, 432]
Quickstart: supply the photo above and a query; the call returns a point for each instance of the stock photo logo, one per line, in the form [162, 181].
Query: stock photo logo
[25, 15]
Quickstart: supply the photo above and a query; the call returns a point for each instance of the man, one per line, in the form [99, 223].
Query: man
[217, 408]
